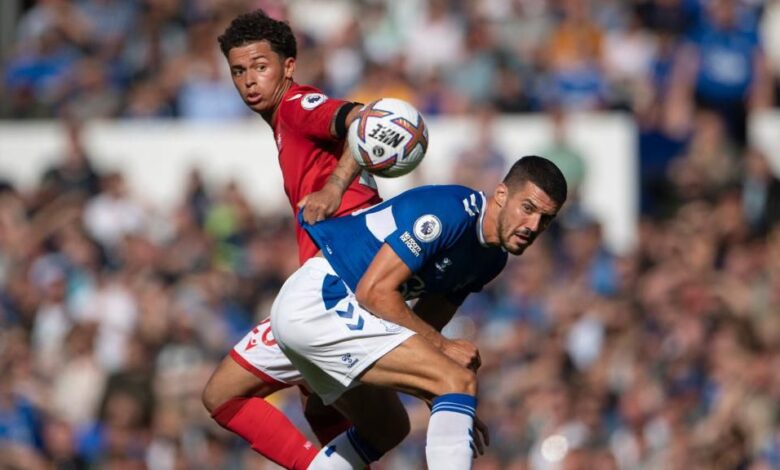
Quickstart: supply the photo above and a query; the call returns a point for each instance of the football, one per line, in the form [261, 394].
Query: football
[389, 138]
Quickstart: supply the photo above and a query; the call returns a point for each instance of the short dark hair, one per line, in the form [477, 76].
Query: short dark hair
[541, 172]
[257, 26]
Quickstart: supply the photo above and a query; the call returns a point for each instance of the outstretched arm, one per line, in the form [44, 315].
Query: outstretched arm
[321, 204]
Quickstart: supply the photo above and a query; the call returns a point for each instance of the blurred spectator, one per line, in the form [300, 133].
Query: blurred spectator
[474, 74]
[760, 193]
[74, 174]
[112, 214]
[770, 36]
[79, 386]
[146, 100]
[199, 79]
[564, 155]
[37, 79]
[573, 60]
[381, 81]
[511, 91]
[629, 55]
[710, 163]
[439, 30]
[482, 166]
[723, 67]
[111, 23]
[158, 36]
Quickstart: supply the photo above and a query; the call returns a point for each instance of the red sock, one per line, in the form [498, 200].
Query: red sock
[267, 430]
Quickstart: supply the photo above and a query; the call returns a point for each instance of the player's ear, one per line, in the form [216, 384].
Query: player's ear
[289, 67]
[501, 194]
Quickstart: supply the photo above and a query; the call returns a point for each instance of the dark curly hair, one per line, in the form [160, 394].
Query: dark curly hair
[257, 26]
[541, 172]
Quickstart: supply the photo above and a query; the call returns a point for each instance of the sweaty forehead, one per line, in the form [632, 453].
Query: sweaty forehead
[533, 193]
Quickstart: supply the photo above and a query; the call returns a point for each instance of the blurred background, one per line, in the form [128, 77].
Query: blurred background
[143, 227]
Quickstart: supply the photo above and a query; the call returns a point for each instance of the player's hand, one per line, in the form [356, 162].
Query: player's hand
[481, 436]
[463, 352]
[321, 204]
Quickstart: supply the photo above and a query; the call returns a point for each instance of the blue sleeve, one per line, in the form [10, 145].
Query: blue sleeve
[428, 223]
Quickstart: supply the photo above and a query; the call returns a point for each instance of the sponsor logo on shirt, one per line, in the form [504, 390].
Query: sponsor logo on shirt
[427, 228]
[410, 243]
[312, 100]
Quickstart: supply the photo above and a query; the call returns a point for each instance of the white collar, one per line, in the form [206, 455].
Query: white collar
[481, 221]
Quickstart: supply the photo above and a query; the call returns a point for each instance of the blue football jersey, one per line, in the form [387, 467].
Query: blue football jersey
[435, 230]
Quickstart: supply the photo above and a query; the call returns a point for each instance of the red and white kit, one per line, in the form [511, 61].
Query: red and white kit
[308, 154]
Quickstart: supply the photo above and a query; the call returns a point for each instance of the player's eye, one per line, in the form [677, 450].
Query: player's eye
[236, 72]
[261, 67]
[527, 208]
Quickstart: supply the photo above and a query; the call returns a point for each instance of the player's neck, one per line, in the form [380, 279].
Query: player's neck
[490, 223]
[284, 87]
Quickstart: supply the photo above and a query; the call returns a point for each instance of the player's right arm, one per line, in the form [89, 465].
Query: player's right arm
[321, 204]
[379, 292]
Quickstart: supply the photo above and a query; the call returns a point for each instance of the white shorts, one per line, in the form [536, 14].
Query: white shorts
[329, 338]
[259, 353]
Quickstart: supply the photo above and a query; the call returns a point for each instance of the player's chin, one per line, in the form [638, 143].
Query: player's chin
[515, 248]
[256, 106]
[516, 245]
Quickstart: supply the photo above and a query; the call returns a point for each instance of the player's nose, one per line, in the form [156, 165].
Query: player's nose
[533, 223]
[249, 80]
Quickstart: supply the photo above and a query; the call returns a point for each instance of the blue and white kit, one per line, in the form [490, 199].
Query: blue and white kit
[326, 334]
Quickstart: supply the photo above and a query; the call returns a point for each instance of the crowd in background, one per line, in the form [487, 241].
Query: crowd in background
[113, 315]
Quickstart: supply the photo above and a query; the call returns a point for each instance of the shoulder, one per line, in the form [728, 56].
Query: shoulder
[303, 97]
[445, 204]
[445, 196]
[307, 110]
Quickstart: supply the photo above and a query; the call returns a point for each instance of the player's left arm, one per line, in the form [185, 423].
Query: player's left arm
[321, 204]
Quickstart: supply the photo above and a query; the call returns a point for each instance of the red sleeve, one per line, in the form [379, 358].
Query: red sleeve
[310, 114]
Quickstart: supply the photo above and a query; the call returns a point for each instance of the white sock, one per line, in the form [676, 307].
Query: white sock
[450, 445]
[347, 451]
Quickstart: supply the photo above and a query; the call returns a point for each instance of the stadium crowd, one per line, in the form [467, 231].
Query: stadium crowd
[112, 314]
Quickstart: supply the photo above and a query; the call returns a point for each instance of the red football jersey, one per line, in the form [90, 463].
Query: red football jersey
[308, 154]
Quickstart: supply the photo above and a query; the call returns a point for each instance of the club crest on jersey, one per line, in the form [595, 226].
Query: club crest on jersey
[427, 228]
[312, 100]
